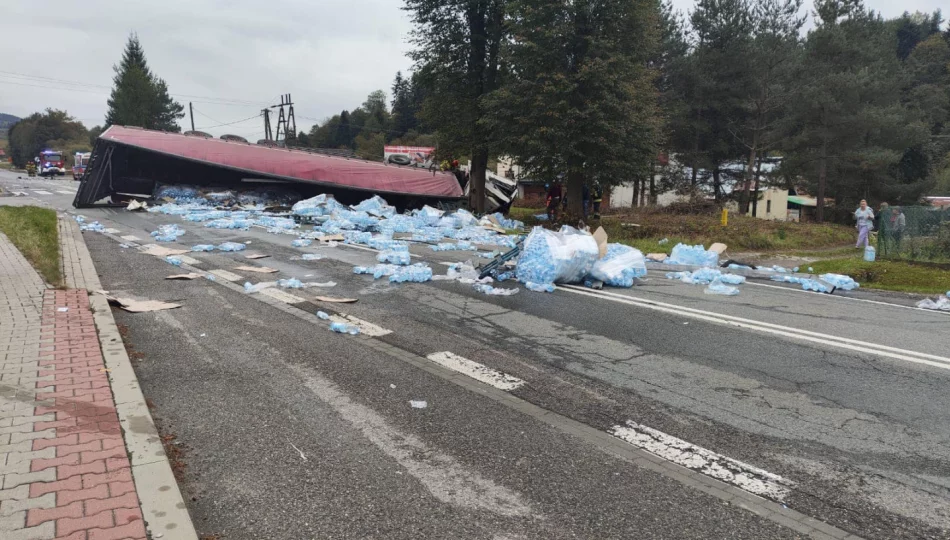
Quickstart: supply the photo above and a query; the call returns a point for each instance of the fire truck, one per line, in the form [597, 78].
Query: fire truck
[50, 162]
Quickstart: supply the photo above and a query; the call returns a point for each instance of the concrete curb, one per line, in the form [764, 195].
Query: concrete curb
[163, 507]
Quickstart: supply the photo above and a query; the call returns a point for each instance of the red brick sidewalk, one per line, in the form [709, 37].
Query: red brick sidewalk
[78, 448]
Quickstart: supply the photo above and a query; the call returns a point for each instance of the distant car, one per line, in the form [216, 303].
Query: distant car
[80, 162]
[51, 162]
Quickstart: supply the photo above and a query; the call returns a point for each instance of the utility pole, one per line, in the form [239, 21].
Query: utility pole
[267, 132]
[191, 113]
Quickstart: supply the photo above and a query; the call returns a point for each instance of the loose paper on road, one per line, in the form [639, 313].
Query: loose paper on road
[258, 269]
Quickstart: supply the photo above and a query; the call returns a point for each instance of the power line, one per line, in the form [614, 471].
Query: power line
[35, 78]
[231, 123]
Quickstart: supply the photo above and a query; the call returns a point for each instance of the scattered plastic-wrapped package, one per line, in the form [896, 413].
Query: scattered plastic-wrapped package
[487, 254]
[508, 223]
[210, 277]
[301, 242]
[463, 218]
[251, 288]
[942, 303]
[734, 266]
[556, 257]
[539, 287]
[450, 246]
[840, 281]
[354, 237]
[310, 257]
[175, 261]
[619, 266]
[394, 257]
[343, 328]
[376, 206]
[383, 243]
[717, 287]
[807, 284]
[243, 224]
[693, 255]
[164, 191]
[274, 222]
[202, 247]
[231, 246]
[732, 279]
[95, 226]
[417, 273]
[494, 291]
[700, 276]
[292, 283]
[505, 276]
[323, 315]
[168, 233]
[79, 219]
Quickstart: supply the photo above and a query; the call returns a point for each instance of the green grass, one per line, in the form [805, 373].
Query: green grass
[743, 233]
[890, 275]
[34, 232]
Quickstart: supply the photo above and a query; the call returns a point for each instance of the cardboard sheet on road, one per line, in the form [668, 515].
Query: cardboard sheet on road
[138, 306]
[255, 256]
[258, 269]
[336, 300]
[191, 275]
[159, 251]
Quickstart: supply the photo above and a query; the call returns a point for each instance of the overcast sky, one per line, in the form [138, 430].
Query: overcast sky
[230, 58]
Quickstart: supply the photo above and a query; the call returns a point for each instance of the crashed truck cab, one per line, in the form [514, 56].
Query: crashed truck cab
[130, 162]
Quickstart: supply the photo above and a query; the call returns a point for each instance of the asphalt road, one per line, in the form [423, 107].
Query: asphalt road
[290, 431]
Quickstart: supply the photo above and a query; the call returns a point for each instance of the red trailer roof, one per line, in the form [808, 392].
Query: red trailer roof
[297, 164]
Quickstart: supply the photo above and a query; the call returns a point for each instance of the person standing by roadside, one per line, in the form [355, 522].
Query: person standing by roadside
[865, 218]
[554, 200]
[586, 200]
[898, 224]
[598, 196]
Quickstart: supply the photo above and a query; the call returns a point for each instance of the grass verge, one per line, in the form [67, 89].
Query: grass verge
[644, 228]
[35, 233]
[890, 275]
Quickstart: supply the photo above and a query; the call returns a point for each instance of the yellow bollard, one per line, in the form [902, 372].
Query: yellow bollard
[725, 217]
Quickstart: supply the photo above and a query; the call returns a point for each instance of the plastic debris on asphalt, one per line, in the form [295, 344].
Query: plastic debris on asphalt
[343, 328]
[693, 255]
[840, 281]
[718, 287]
[539, 287]
[704, 276]
[494, 291]
[95, 226]
[168, 233]
[323, 315]
[202, 247]
[310, 257]
[394, 257]
[173, 260]
[231, 246]
[418, 404]
[942, 303]
[292, 283]
[251, 288]
[806, 283]
[301, 242]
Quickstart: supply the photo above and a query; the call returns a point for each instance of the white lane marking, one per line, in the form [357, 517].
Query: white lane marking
[915, 308]
[64, 192]
[447, 479]
[130, 238]
[752, 479]
[188, 260]
[41, 192]
[223, 274]
[278, 294]
[834, 341]
[365, 327]
[477, 371]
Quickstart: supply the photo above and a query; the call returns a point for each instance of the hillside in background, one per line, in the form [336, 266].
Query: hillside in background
[6, 120]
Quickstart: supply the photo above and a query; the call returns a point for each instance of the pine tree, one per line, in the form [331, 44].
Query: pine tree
[457, 59]
[139, 98]
[582, 101]
[848, 126]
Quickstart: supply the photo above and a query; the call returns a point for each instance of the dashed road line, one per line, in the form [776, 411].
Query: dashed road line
[41, 192]
[223, 274]
[64, 192]
[479, 372]
[284, 297]
[742, 475]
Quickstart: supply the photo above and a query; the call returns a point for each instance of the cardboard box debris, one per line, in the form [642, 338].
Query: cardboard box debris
[600, 235]
[138, 306]
[159, 251]
[256, 256]
[336, 300]
[136, 206]
[191, 275]
[718, 247]
[658, 257]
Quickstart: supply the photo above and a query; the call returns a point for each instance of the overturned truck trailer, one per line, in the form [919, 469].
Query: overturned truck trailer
[128, 162]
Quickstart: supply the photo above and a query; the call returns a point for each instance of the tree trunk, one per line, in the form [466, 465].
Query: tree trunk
[755, 200]
[652, 183]
[477, 179]
[716, 183]
[636, 192]
[822, 179]
[744, 208]
[575, 190]
[643, 192]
